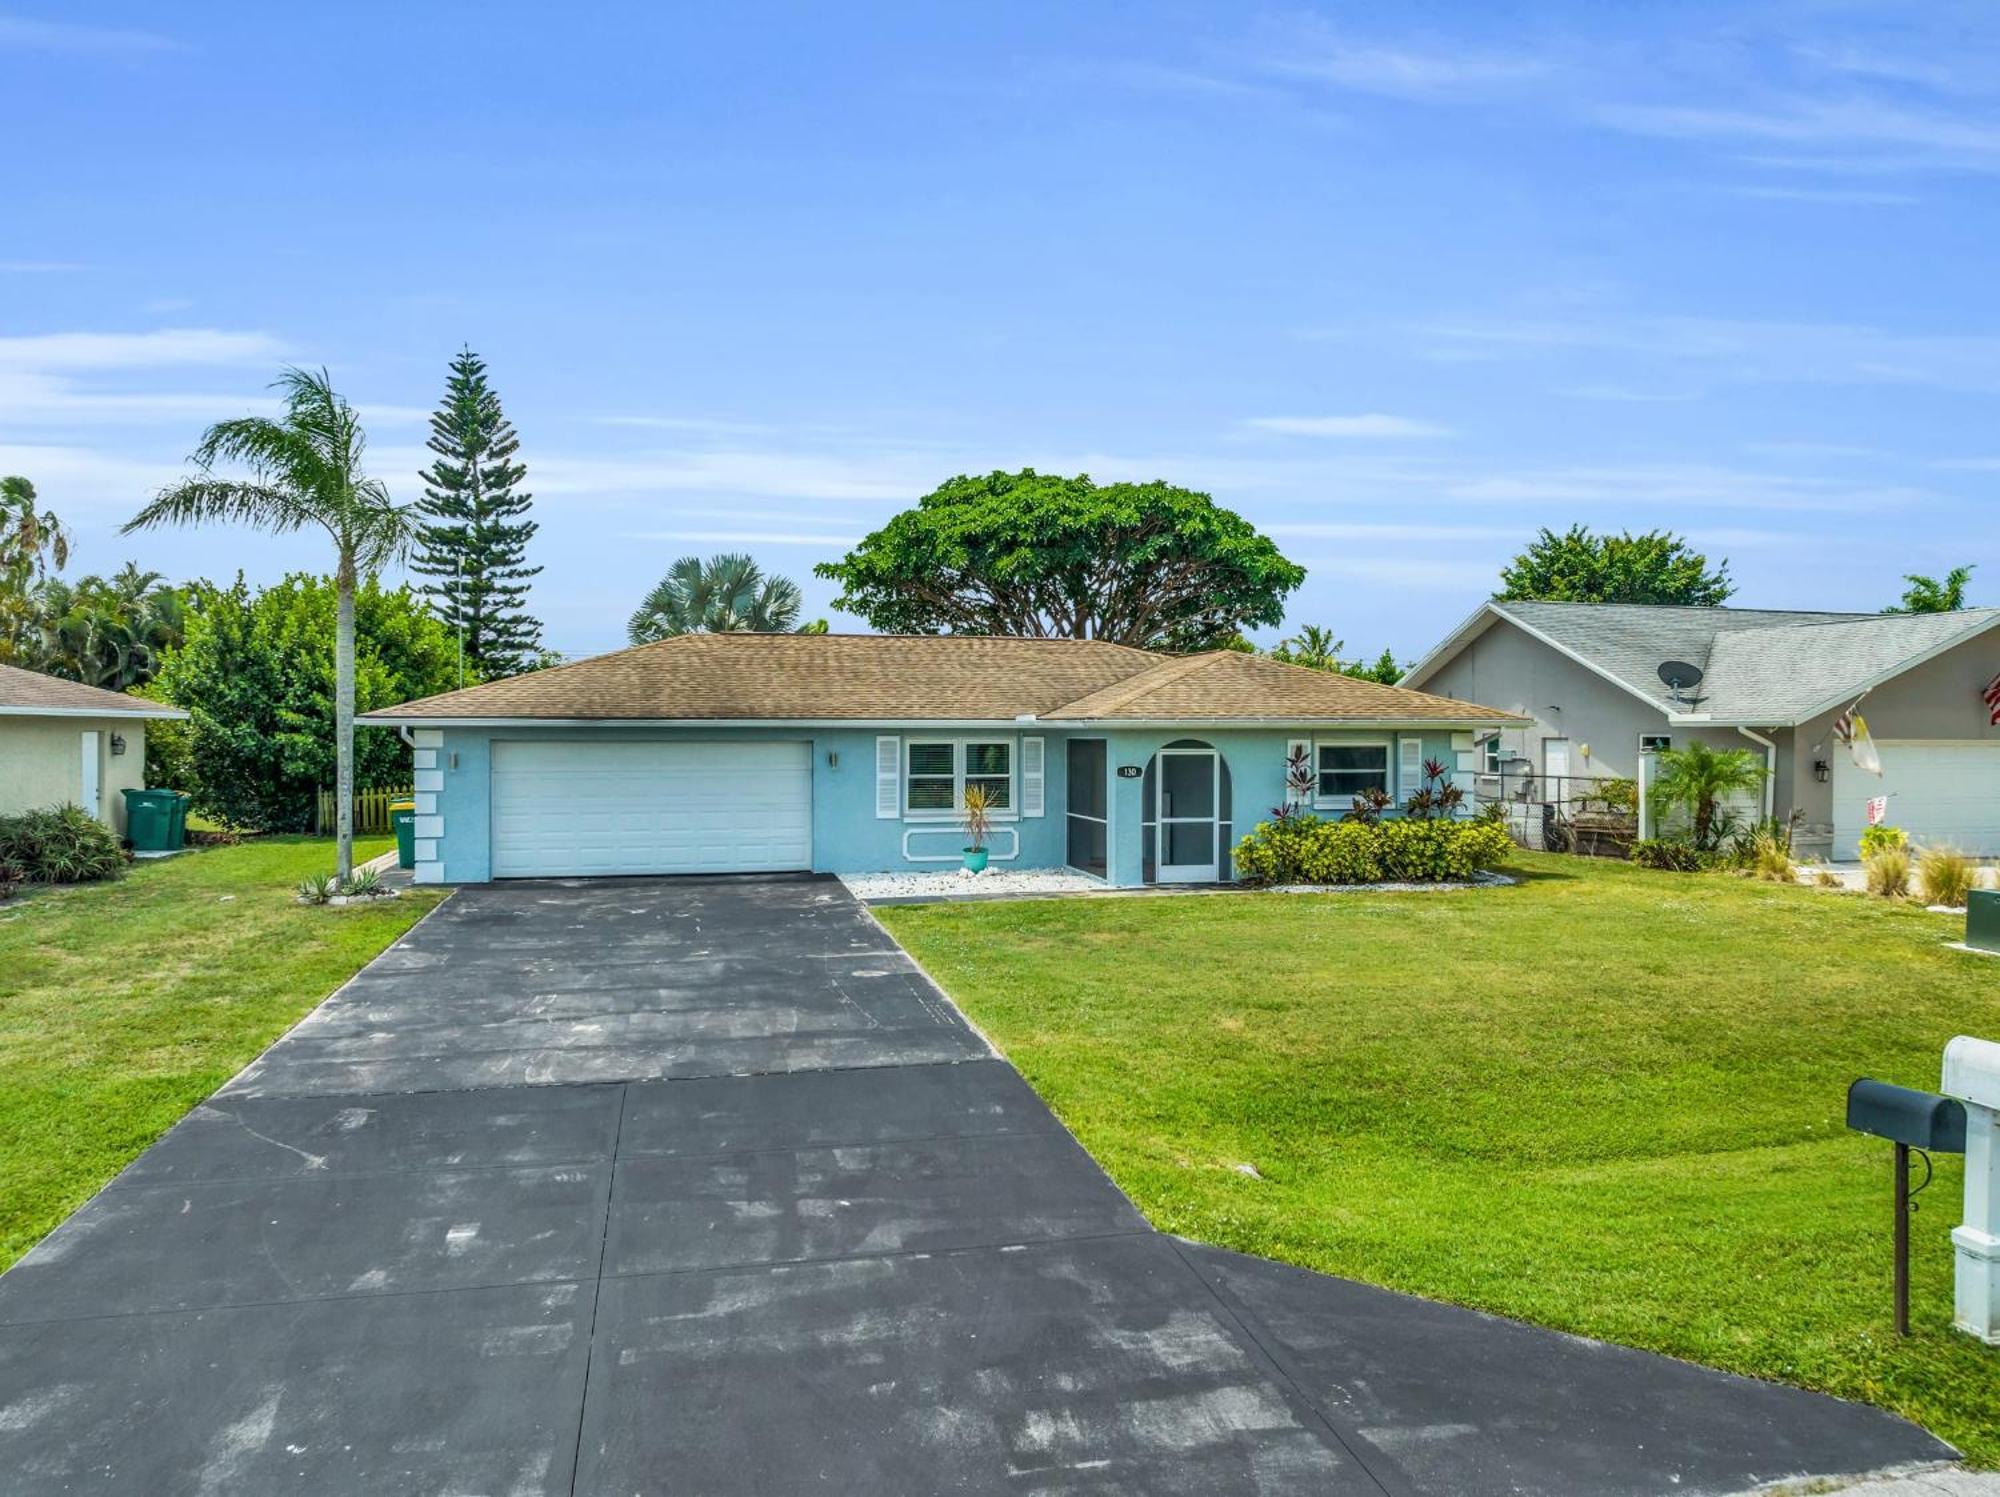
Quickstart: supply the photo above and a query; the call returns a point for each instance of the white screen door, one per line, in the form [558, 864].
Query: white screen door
[1189, 791]
[91, 797]
[1555, 759]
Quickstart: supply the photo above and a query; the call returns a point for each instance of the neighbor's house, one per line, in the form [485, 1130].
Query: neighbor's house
[63, 743]
[1597, 680]
[852, 753]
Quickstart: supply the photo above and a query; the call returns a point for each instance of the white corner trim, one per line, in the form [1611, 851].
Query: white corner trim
[428, 779]
[429, 826]
[428, 873]
[430, 738]
[426, 849]
[423, 758]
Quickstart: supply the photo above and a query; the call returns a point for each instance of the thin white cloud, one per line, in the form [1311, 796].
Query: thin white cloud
[1409, 571]
[1742, 350]
[25, 34]
[1440, 531]
[746, 538]
[1366, 426]
[1665, 487]
[1937, 138]
[38, 267]
[157, 349]
[1428, 71]
[1838, 197]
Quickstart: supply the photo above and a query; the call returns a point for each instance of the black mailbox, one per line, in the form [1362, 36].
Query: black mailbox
[1922, 1120]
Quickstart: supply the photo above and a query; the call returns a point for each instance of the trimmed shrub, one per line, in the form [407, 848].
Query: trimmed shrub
[1944, 876]
[1889, 873]
[1308, 850]
[1875, 838]
[60, 845]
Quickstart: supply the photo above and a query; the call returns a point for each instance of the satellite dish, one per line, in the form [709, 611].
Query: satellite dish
[1679, 676]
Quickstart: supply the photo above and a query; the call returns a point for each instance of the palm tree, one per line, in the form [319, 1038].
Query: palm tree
[32, 542]
[1697, 778]
[724, 595]
[1315, 647]
[304, 471]
[1929, 595]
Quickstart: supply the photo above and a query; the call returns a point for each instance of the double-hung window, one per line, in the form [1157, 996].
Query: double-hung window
[938, 771]
[1348, 769]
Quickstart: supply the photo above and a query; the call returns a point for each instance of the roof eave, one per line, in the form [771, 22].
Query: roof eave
[1475, 623]
[1017, 724]
[156, 714]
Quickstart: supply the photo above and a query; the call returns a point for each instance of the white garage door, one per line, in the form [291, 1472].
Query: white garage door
[1938, 792]
[650, 807]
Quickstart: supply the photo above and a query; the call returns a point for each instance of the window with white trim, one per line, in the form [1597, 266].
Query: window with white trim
[938, 771]
[1655, 743]
[1492, 747]
[1348, 769]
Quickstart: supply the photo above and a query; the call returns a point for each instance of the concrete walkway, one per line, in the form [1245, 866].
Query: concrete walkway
[699, 1186]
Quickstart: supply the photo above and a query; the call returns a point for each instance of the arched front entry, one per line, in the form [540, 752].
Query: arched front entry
[1186, 794]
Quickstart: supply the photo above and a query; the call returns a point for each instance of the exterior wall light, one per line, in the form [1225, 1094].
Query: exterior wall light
[1822, 771]
[117, 743]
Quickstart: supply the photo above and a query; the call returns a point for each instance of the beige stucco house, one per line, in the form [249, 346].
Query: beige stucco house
[1606, 685]
[65, 743]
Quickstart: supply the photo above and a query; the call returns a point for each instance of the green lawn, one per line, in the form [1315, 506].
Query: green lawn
[1606, 1100]
[124, 1004]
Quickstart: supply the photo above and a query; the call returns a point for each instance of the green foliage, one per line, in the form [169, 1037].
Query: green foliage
[1767, 854]
[363, 882]
[1944, 876]
[1315, 648]
[32, 543]
[1695, 780]
[1671, 855]
[1875, 838]
[724, 595]
[110, 633]
[256, 675]
[472, 531]
[318, 888]
[1144, 564]
[60, 845]
[1579, 566]
[1304, 849]
[1929, 595]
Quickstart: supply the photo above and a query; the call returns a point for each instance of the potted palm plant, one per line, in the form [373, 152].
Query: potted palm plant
[978, 808]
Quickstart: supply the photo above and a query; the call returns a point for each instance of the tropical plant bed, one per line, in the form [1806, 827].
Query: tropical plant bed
[123, 1004]
[1606, 1099]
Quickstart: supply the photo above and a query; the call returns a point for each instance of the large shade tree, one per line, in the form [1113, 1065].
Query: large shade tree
[723, 595]
[1144, 564]
[1580, 566]
[303, 471]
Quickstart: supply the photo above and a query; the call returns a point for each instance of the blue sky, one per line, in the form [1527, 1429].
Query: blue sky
[1400, 283]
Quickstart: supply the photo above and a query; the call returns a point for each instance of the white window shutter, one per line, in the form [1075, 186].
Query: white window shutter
[1033, 779]
[888, 778]
[1409, 768]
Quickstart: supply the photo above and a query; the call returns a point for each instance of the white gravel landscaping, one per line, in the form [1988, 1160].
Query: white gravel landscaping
[956, 883]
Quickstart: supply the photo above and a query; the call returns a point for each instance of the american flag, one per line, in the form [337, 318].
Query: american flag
[1991, 696]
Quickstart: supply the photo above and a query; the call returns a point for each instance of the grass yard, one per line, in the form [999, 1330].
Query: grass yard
[1606, 1100]
[124, 1004]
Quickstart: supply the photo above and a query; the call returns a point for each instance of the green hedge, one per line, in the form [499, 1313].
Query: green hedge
[1308, 850]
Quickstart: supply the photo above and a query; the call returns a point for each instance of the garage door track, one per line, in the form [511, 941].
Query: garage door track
[700, 1186]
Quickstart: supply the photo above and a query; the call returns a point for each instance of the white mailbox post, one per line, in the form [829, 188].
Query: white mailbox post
[1972, 1074]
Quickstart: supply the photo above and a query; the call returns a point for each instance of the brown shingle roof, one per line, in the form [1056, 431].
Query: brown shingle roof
[1228, 684]
[902, 678]
[31, 693]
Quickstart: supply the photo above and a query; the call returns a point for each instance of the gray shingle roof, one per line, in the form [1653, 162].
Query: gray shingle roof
[1760, 666]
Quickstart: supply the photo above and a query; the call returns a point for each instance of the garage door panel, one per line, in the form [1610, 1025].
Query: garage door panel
[650, 807]
[1938, 793]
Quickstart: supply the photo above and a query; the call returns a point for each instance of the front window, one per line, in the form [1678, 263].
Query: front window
[1348, 769]
[1493, 754]
[938, 772]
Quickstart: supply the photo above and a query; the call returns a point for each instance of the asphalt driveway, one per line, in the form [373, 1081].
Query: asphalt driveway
[699, 1186]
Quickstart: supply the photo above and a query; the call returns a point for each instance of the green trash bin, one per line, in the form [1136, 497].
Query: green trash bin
[177, 832]
[149, 820]
[1982, 919]
[403, 817]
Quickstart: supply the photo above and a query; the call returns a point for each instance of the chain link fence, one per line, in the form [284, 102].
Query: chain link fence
[1595, 815]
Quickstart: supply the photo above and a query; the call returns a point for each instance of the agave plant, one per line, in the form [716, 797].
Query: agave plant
[978, 807]
[318, 889]
[363, 882]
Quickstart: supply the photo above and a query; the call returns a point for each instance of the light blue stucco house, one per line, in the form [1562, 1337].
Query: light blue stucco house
[743, 753]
